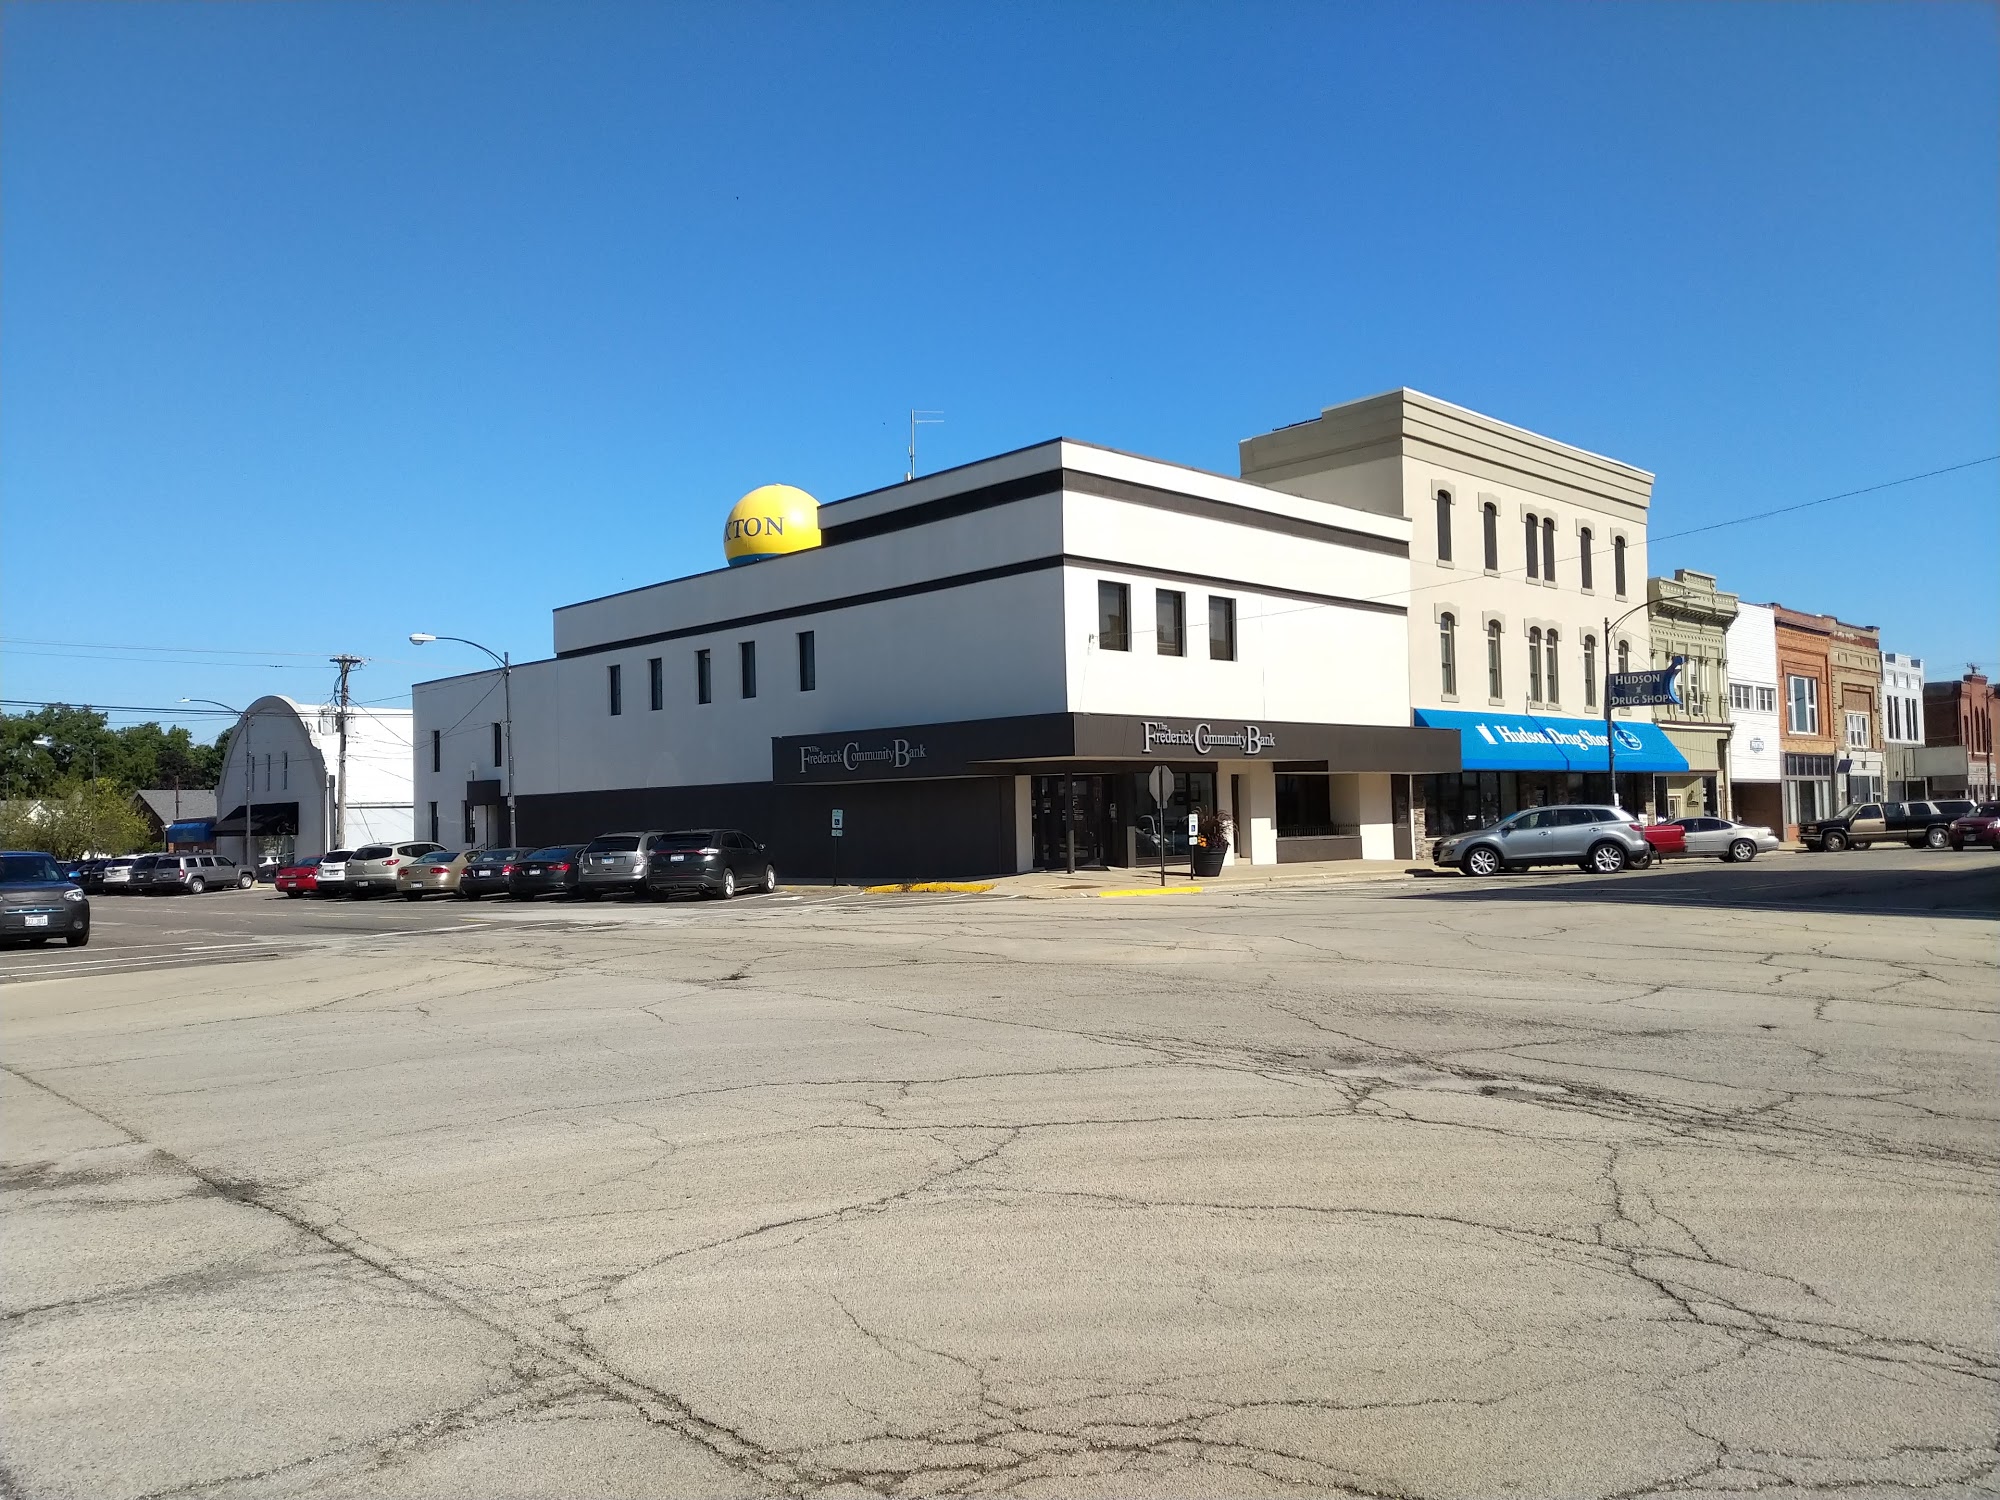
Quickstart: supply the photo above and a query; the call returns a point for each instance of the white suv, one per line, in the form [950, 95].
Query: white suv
[374, 867]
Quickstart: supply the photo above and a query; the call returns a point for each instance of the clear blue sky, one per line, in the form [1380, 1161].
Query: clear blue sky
[322, 323]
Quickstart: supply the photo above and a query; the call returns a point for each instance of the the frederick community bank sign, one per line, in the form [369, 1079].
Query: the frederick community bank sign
[895, 754]
[1205, 739]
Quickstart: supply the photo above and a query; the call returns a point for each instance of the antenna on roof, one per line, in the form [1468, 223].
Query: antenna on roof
[920, 418]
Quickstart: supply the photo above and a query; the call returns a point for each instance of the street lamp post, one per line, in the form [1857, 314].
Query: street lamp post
[249, 781]
[504, 658]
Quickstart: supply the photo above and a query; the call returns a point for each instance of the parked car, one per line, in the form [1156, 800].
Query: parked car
[83, 873]
[486, 872]
[709, 862]
[615, 862]
[37, 903]
[116, 876]
[545, 872]
[1980, 827]
[1604, 839]
[268, 867]
[437, 871]
[1661, 839]
[1918, 824]
[377, 868]
[1735, 842]
[330, 879]
[299, 877]
[1955, 807]
[192, 874]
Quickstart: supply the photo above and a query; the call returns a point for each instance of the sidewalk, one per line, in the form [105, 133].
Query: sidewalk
[1058, 884]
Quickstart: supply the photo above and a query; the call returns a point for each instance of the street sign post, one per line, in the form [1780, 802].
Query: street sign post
[1161, 784]
[839, 832]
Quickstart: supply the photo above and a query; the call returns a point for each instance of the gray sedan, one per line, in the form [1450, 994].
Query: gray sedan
[1737, 843]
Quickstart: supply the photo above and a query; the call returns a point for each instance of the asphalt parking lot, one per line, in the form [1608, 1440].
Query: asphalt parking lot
[1676, 1183]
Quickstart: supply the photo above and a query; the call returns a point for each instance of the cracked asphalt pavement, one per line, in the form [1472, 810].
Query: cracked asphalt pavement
[1546, 1186]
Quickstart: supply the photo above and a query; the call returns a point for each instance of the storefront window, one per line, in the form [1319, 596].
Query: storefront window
[1305, 807]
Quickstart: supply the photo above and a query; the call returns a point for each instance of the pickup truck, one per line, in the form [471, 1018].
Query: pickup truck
[1921, 825]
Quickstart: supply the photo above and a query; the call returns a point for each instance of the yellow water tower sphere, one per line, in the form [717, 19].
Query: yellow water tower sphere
[771, 520]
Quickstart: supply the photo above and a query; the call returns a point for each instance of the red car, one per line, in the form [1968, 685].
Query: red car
[1664, 839]
[1980, 826]
[300, 877]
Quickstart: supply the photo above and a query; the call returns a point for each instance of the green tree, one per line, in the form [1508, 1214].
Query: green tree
[77, 817]
[83, 745]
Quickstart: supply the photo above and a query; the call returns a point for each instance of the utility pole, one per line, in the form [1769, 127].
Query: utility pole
[345, 701]
[918, 419]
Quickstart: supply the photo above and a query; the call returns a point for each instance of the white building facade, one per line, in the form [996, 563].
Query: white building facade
[977, 669]
[1756, 763]
[1527, 583]
[1903, 725]
[281, 774]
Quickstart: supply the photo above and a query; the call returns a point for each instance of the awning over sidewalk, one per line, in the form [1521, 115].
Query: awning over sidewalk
[194, 831]
[272, 818]
[1532, 742]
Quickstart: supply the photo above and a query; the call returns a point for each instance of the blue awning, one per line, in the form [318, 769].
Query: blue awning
[195, 831]
[1531, 742]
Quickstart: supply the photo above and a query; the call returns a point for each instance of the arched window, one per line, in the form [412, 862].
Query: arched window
[1618, 568]
[1535, 665]
[1493, 660]
[1490, 518]
[1590, 671]
[1549, 655]
[1549, 549]
[1448, 654]
[1534, 547]
[1583, 558]
[1444, 525]
[1624, 656]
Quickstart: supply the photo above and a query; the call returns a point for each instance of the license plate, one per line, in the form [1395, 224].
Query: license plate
[534, 869]
[38, 921]
[676, 858]
[606, 859]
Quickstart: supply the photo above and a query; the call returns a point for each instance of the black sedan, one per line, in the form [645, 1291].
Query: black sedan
[546, 872]
[37, 903]
[709, 862]
[489, 872]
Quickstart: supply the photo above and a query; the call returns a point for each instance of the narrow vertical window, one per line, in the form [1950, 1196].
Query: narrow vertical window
[615, 677]
[656, 683]
[1489, 515]
[499, 747]
[1618, 566]
[1550, 654]
[1170, 622]
[1444, 525]
[1114, 617]
[1534, 547]
[746, 658]
[285, 770]
[1548, 549]
[1221, 628]
[1624, 656]
[1448, 654]
[1583, 559]
[434, 823]
[704, 676]
[808, 662]
[1535, 665]
[1590, 671]
[437, 750]
[1493, 680]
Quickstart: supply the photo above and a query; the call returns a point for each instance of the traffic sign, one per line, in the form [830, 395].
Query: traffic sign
[1162, 784]
[839, 819]
[1194, 825]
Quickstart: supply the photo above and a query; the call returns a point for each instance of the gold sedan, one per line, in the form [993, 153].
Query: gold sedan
[437, 871]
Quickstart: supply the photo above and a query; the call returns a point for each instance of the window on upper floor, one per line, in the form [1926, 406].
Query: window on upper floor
[1624, 656]
[1550, 656]
[1548, 549]
[1444, 525]
[1448, 654]
[1802, 704]
[1534, 548]
[1857, 731]
[704, 676]
[656, 683]
[808, 662]
[746, 660]
[499, 745]
[1618, 566]
[1169, 622]
[1535, 664]
[1767, 700]
[1742, 696]
[1221, 628]
[1493, 675]
[615, 686]
[1584, 560]
[1114, 616]
[437, 750]
[1590, 671]
[1489, 520]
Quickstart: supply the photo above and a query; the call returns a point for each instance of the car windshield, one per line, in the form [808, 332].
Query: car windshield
[302, 862]
[145, 862]
[699, 839]
[1850, 810]
[559, 852]
[1986, 810]
[498, 856]
[615, 843]
[22, 868]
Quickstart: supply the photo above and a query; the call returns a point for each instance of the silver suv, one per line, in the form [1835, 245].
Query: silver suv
[1604, 839]
[617, 862]
[374, 867]
[193, 873]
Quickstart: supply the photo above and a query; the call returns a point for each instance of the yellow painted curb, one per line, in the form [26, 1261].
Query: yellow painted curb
[928, 887]
[1156, 890]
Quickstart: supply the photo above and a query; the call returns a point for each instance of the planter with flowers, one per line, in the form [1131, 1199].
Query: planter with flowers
[1213, 830]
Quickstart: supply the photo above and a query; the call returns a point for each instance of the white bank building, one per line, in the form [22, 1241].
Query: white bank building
[976, 670]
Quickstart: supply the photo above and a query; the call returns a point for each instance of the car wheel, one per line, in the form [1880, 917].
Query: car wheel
[245, 881]
[196, 886]
[728, 884]
[1935, 838]
[1834, 840]
[413, 895]
[77, 939]
[770, 880]
[1742, 852]
[1481, 859]
[1608, 858]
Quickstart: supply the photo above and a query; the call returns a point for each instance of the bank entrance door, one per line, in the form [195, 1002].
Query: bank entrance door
[1089, 815]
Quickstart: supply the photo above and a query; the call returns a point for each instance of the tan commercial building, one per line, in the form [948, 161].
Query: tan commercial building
[1523, 549]
[1691, 620]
